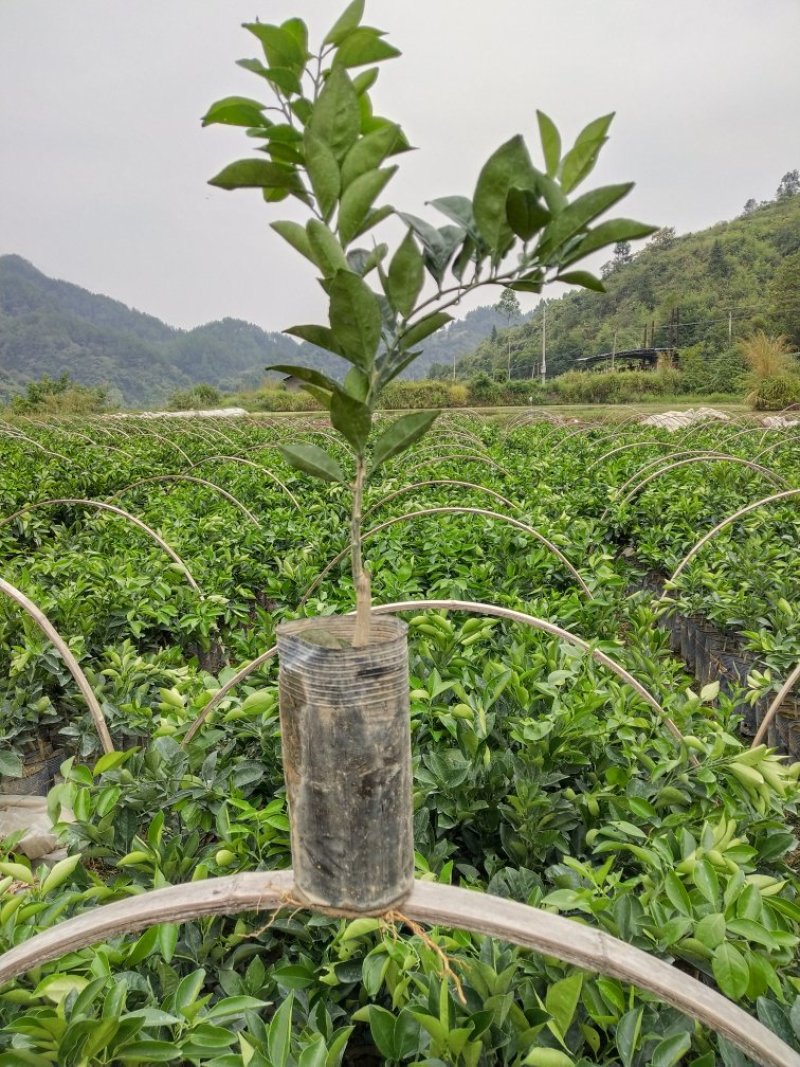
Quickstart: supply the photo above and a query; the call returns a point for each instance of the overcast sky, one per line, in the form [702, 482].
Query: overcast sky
[103, 163]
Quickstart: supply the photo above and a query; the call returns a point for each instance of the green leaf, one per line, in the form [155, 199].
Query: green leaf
[235, 111]
[381, 1025]
[406, 276]
[281, 47]
[582, 278]
[627, 1035]
[401, 435]
[671, 1050]
[145, 1052]
[775, 1017]
[578, 163]
[259, 174]
[314, 461]
[562, 1000]
[374, 217]
[370, 151]
[167, 939]
[753, 931]
[705, 878]
[508, 168]
[321, 336]
[280, 77]
[358, 199]
[525, 213]
[355, 318]
[424, 328]
[548, 1057]
[356, 384]
[298, 29]
[336, 117]
[59, 873]
[323, 173]
[280, 1033]
[710, 931]
[551, 143]
[730, 971]
[57, 987]
[10, 765]
[188, 990]
[306, 374]
[348, 21]
[579, 214]
[18, 871]
[296, 236]
[608, 233]
[327, 252]
[362, 46]
[352, 419]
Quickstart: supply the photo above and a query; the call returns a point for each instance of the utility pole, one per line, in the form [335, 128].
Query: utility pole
[614, 350]
[543, 370]
[454, 364]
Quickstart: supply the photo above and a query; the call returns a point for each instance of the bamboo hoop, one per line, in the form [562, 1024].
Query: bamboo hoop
[48, 452]
[167, 441]
[483, 512]
[727, 522]
[458, 456]
[662, 459]
[248, 463]
[474, 608]
[788, 439]
[769, 475]
[223, 691]
[95, 444]
[631, 444]
[173, 555]
[772, 710]
[64, 651]
[439, 481]
[435, 905]
[189, 478]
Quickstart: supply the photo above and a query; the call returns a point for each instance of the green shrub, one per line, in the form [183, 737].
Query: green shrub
[281, 400]
[776, 393]
[619, 387]
[425, 393]
[198, 397]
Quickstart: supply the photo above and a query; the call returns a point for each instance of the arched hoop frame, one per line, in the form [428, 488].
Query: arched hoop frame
[70, 662]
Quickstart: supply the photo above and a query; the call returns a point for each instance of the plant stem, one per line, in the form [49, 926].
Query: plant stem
[360, 575]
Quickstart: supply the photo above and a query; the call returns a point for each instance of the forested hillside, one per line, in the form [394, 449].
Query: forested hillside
[699, 292]
[50, 327]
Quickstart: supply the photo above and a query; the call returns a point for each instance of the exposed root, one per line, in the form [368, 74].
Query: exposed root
[448, 973]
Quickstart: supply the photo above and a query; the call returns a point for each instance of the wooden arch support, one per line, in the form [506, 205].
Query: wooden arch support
[432, 904]
[70, 662]
[424, 512]
[474, 608]
[440, 481]
[173, 555]
[198, 481]
[249, 463]
[768, 474]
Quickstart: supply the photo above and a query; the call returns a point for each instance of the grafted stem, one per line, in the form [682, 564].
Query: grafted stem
[360, 575]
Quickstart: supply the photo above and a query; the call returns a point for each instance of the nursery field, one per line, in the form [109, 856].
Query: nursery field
[602, 716]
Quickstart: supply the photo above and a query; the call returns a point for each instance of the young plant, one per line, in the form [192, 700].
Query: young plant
[325, 147]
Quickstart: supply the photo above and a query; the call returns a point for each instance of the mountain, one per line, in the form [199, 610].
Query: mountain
[698, 292]
[51, 327]
[457, 339]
